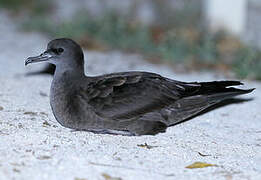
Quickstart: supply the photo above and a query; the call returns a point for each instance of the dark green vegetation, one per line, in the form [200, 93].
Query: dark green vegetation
[183, 41]
[33, 7]
[194, 47]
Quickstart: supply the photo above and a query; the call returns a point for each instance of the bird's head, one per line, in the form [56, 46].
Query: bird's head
[60, 52]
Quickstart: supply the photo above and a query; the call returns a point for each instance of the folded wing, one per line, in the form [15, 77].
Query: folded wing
[128, 95]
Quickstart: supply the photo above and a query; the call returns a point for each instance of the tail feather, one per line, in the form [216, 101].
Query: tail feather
[207, 95]
[227, 93]
[220, 90]
[200, 96]
[221, 83]
[216, 90]
[217, 87]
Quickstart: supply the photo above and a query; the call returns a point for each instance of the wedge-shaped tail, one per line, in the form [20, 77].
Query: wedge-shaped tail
[208, 94]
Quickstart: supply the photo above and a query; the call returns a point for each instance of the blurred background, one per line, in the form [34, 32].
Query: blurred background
[193, 35]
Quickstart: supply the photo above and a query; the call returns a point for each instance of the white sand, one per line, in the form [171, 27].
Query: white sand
[34, 146]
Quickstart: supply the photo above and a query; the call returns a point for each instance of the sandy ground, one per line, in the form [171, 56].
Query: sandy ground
[34, 146]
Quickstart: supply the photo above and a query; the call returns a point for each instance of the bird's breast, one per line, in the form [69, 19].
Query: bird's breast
[59, 101]
[71, 108]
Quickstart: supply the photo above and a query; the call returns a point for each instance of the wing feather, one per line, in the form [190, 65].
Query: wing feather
[128, 95]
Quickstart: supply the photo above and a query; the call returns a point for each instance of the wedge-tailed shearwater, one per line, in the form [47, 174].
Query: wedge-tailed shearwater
[127, 103]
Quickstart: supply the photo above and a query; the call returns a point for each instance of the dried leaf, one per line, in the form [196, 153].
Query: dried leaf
[1, 108]
[79, 178]
[108, 177]
[200, 165]
[146, 146]
[30, 113]
[45, 123]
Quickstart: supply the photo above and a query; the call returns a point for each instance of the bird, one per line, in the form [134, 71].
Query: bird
[130, 103]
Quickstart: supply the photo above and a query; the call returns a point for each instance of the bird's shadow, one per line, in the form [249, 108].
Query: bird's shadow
[47, 70]
[217, 106]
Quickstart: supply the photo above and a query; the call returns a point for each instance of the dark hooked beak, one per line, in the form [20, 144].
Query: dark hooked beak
[43, 57]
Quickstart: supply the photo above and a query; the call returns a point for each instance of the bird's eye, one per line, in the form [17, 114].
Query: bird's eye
[60, 50]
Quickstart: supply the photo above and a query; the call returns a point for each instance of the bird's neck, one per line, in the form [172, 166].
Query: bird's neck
[64, 78]
[68, 72]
